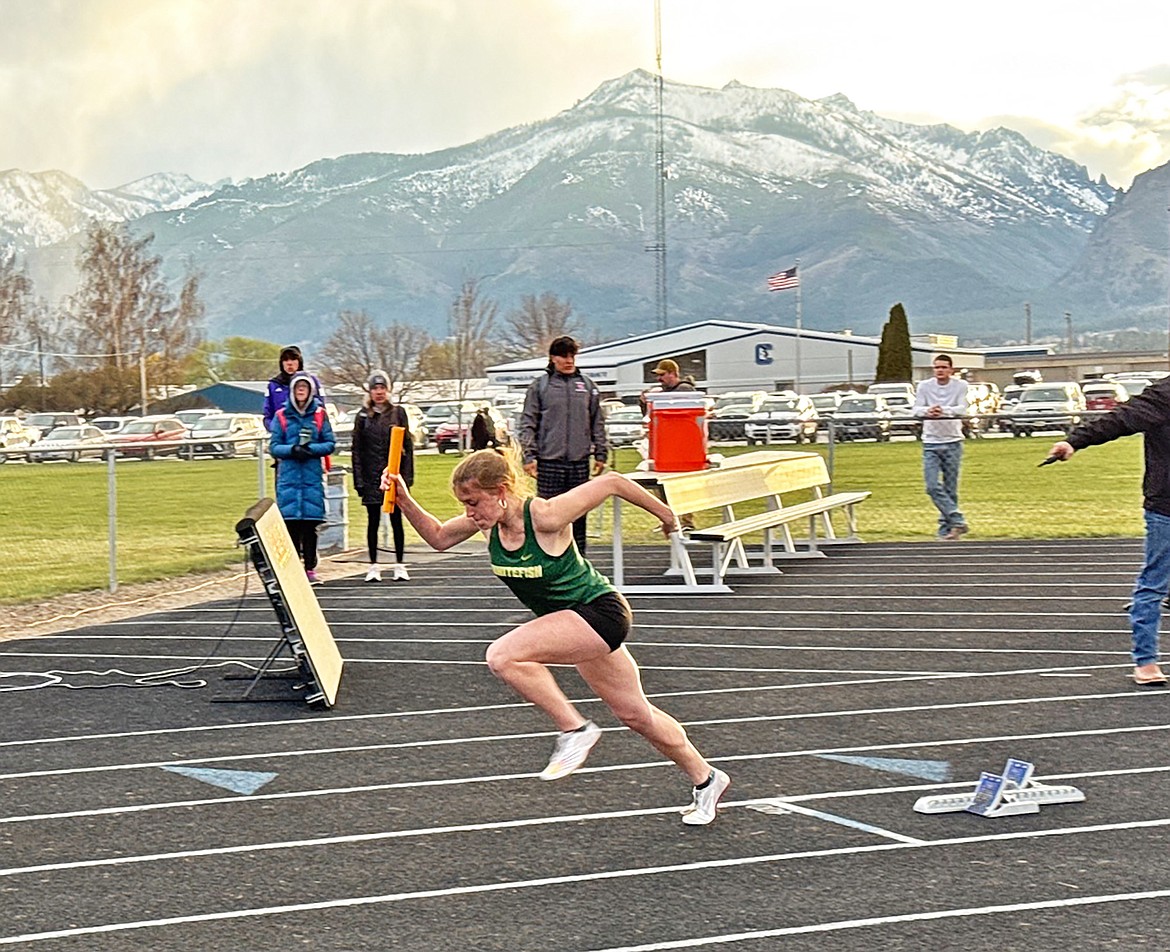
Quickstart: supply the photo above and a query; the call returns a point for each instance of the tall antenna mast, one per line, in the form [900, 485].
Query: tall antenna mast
[659, 246]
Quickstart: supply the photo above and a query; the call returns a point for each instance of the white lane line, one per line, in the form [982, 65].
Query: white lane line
[888, 674]
[777, 806]
[608, 875]
[479, 663]
[430, 712]
[495, 825]
[932, 916]
[686, 645]
[352, 838]
[882, 591]
[490, 738]
[411, 612]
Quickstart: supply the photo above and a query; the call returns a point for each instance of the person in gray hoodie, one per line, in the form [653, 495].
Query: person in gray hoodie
[561, 427]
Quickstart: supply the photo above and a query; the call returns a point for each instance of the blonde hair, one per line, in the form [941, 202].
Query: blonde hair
[491, 469]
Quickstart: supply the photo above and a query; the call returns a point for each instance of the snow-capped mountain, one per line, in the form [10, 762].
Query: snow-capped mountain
[961, 228]
[38, 209]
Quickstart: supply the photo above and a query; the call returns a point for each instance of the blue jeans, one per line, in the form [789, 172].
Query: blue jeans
[1145, 613]
[940, 467]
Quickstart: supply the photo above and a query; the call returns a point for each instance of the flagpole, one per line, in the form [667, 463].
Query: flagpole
[798, 318]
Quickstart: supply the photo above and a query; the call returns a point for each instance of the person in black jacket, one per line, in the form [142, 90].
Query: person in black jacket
[1147, 413]
[483, 430]
[371, 450]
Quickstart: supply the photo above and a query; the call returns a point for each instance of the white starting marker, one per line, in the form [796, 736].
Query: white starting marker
[1007, 794]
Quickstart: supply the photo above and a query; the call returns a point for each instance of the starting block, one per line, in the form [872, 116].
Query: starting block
[1007, 794]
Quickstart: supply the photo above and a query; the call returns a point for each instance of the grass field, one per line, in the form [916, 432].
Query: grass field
[177, 517]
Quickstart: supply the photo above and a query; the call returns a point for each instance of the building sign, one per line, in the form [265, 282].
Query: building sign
[764, 354]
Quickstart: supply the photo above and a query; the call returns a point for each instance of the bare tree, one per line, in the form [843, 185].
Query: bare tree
[15, 306]
[402, 348]
[123, 307]
[180, 335]
[359, 346]
[470, 345]
[537, 323]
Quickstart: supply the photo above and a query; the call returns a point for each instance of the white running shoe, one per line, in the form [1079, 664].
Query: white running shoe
[374, 574]
[571, 750]
[703, 801]
[400, 573]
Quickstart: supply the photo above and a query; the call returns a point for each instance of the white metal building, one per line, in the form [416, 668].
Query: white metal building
[729, 355]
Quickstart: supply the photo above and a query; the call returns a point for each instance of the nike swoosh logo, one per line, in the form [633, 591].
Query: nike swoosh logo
[526, 558]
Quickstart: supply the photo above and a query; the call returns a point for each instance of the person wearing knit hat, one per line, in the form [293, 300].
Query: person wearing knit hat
[371, 447]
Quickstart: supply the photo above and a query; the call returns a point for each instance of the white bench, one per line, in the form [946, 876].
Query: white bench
[762, 477]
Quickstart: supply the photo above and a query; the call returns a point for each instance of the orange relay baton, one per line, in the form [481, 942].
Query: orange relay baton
[397, 433]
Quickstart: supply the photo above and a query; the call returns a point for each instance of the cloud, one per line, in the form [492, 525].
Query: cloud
[113, 89]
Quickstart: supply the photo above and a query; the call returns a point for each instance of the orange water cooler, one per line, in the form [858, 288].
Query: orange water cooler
[678, 431]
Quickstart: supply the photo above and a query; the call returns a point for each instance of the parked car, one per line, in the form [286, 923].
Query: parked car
[14, 435]
[1008, 399]
[726, 423]
[190, 417]
[905, 389]
[455, 435]
[111, 424]
[343, 430]
[902, 418]
[1104, 394]
[418, 426]
[224, 435]
[826, 404]
[1135, 382]
[72, 443]
[1047, 406]
[865, 416]
[451, 435]
[785, 416]
[625, 426]
[753, 398]
[150, 436]
[13, 438]
[442, 412]
[41, 425]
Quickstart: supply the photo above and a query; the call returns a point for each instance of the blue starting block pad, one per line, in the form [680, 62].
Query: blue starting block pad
[1008, 794]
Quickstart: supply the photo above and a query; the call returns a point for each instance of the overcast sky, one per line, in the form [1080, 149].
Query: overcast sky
[112, 90]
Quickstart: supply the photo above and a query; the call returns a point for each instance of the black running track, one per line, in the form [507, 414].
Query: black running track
[410, 817]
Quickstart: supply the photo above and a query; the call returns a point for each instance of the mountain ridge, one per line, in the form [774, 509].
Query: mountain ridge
[960, 227]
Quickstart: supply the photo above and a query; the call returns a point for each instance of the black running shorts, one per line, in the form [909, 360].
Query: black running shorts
[609, 615]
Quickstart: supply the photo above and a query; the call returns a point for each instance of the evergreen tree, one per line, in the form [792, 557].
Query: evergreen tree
[895, 362]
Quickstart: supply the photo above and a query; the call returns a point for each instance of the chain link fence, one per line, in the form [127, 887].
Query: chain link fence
[79, 519]
[100, 523]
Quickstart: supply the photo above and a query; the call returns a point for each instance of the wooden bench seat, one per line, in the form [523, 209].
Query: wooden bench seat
[768, 478]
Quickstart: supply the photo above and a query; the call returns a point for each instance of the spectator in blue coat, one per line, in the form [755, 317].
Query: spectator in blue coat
[301, 437]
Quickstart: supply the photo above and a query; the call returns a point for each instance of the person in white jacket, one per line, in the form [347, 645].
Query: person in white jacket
[941, 402]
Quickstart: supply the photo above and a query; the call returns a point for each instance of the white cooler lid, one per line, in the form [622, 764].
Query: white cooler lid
[676, 400]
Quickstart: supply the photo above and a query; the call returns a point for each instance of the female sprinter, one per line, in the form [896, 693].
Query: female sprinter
[580, 618]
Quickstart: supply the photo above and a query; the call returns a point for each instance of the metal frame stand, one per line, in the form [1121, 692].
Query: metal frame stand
[301, 681]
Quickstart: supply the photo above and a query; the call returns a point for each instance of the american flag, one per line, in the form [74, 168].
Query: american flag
[783, 280]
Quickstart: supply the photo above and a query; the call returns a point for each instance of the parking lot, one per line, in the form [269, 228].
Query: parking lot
[410, 817]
